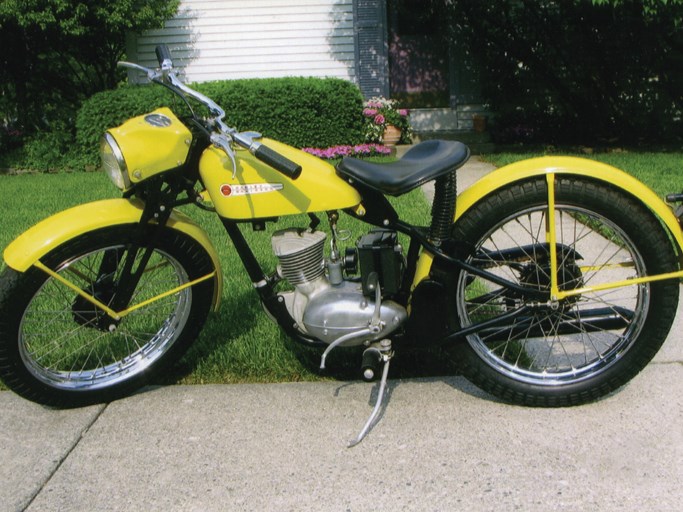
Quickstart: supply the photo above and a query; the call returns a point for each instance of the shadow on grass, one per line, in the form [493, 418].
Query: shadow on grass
[237, 316]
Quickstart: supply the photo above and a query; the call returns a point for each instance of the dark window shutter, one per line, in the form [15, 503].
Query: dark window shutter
[372, 62]
[465, 80]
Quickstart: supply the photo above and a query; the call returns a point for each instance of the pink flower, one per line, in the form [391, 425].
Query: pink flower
[403, 112]
[370, 149]
[369, 112]
[341, 151]
[379, 119]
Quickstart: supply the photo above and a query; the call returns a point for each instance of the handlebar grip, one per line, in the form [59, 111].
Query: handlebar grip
[278, 162]
[163, 54]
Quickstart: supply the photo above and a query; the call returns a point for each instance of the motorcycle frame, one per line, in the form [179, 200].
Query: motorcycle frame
[153, 207]
[275, 306]
[423, 253]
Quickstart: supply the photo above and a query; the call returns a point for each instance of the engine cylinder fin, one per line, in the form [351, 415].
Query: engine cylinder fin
[301, 274]
[300, 254]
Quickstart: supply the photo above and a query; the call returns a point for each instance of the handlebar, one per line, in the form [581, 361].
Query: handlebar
[278, 162]
[164, 57]
[224, 134]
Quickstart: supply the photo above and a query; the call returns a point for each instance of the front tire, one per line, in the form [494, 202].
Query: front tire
[58, 349]
[586, 345]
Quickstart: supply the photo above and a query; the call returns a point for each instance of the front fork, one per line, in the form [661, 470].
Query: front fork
[112, 290]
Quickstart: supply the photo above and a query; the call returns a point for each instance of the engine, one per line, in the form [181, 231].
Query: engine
[329, 306]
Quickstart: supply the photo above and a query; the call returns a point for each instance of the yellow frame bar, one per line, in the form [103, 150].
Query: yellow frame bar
[592, 268]
[620, 284]
[551, 236]
[120, 314]
[551, 239]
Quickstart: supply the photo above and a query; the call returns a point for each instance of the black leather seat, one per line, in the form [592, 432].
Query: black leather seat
[422, 163]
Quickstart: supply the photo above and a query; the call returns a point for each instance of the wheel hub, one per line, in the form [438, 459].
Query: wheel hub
[569, 277]
[87, 314]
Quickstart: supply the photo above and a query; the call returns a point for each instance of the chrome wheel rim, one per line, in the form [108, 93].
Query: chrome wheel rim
[535, 348]
[76, 355]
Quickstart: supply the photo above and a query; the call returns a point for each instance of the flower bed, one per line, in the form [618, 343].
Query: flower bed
[359, 150]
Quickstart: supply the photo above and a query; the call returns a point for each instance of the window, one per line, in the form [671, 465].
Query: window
[419, 53]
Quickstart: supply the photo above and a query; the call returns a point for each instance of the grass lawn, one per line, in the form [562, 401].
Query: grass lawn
[239, 343]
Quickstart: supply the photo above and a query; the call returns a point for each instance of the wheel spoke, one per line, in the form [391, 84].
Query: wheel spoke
[564, 343]
[67, 342]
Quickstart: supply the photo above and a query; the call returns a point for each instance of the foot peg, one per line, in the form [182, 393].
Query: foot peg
[373, 357]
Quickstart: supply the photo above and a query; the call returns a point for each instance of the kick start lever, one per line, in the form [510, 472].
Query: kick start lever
[385, 354]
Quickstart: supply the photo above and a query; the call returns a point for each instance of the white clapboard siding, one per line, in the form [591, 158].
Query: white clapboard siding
[227, 39]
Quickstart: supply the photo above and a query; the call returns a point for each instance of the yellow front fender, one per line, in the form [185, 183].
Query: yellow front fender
[36, 242]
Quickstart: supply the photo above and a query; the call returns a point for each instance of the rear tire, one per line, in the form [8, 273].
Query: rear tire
[590, 344]
[58, 349]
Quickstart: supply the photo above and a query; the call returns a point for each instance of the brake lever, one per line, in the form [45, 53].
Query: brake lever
[222, 142]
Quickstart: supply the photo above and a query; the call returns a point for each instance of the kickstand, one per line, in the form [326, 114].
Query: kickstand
[375, 411]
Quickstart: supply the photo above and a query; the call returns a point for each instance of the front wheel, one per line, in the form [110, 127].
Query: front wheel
[585, 345]
[59, 349]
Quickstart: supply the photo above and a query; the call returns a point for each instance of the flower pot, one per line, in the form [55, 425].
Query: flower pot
[391, 135]
[479, 123]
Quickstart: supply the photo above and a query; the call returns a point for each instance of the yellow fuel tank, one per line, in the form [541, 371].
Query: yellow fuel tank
[259, 191]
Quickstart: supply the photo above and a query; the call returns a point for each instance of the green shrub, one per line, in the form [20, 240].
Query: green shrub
[574, 71]
[302, 112]
[56, 53]
[44, 151]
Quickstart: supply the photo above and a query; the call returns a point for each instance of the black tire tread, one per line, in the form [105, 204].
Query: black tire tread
[17, 289]
[652, 240]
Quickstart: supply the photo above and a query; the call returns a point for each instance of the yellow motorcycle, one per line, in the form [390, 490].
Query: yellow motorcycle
[553, 281]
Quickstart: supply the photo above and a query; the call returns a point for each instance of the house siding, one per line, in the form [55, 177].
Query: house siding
[228, 39]
[231, 39]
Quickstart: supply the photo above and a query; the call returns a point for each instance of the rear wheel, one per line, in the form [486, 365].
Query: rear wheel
[581, 347]
[59, 349]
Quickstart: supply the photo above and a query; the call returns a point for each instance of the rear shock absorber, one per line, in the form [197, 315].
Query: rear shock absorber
[677, 198]
[443, 208]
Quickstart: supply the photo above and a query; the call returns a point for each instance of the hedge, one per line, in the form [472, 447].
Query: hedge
[302, 112]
